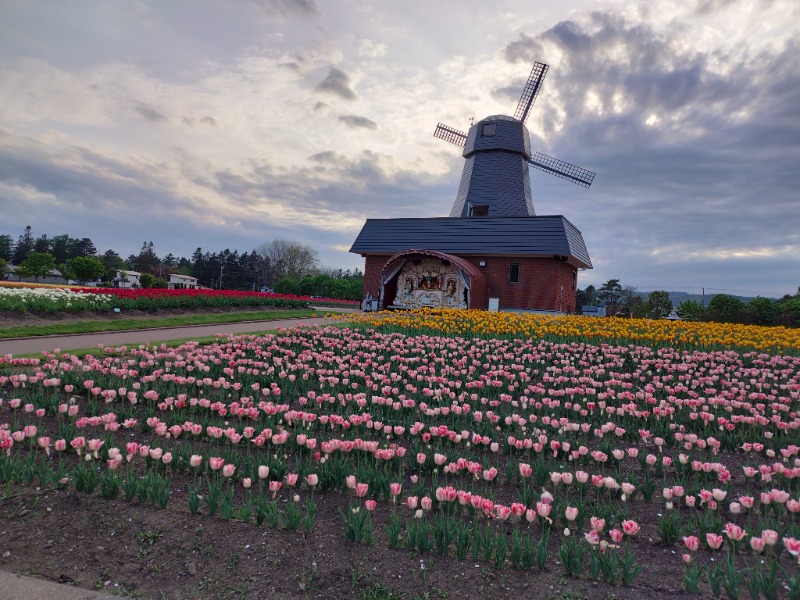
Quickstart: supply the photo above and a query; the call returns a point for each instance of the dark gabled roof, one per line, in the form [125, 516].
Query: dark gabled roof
[487, 236]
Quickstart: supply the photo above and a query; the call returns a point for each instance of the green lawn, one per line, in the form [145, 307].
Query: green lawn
[150, 323]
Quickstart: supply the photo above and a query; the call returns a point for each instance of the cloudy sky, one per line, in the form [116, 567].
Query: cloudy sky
[228, 123]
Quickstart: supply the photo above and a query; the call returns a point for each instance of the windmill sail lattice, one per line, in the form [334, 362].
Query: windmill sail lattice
[448, 134]
[562, 169]
[531, 90]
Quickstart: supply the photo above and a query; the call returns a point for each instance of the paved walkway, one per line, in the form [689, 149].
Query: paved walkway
[35, 345]
[17, 587]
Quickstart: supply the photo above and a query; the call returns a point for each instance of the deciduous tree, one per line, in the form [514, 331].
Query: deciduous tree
[289, 259]
[85, 268]
[690, 310]
[36, 265]
[658, 305]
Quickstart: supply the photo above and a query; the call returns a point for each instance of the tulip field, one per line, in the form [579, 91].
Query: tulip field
[50, 299]
[433, 454]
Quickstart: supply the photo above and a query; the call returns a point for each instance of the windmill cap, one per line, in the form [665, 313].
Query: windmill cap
[498, 118]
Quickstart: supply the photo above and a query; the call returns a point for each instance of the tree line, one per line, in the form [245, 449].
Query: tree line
[621, 300]
[281, 266]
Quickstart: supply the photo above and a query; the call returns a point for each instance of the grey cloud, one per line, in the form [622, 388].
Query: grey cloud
[283, 8]
[705, 7]
[321, 106]
[337, 82]
[356, 122]
[149, 113]
[328, 157]
[192, 121]
[509, 92]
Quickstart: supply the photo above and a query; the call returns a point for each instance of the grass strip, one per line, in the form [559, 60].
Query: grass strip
[79, 327]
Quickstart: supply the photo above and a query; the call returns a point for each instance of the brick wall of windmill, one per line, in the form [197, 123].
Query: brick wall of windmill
[544, 283]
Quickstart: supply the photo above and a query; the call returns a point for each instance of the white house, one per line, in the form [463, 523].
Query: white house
[182, 282]
[127, 279]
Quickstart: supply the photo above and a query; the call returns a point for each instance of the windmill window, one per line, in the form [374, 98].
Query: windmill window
[513, 273]
[489, 129]
[478, 210]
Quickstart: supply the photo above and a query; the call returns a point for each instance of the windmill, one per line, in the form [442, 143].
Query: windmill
[496, 181]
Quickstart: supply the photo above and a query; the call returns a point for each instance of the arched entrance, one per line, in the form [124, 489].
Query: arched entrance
[431, 279]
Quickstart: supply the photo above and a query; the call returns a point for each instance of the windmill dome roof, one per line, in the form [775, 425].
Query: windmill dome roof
[498, 118]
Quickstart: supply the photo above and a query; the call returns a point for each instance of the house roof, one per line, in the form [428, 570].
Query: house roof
[477, 236]
[13, 269]
[177, 276]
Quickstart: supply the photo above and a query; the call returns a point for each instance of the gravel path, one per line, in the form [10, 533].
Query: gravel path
[36, 345]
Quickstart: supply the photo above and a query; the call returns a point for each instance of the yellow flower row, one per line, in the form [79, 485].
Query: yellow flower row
[686, 334]
[25, 284]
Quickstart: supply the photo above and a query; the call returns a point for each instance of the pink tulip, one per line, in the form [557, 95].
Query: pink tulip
[312, 479]
[770, 537]
[525, 470]
[571, 513]
[228, 470]
[216, 462]
[543, 509]
[592, 537]
[597, 524]
[370, 504]
[426, 503]
[412, 502]
[630, 527]
[291, 479]
[734, 532]
[350, 480]
[757, 544]
[792, 546]
[263, 471]
[361, 489]
[195, 460]
[692, 543]
[714, 541]
[615, 535]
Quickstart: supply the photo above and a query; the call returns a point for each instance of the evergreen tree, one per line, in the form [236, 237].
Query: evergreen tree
[83, 247]
[147, 261]
[42, 245]
[112, 260]
[6, 247]
[24, 246]
[61, 248]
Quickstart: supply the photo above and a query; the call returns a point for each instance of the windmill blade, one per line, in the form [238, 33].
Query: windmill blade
[448, 134]
[531, 91]
[562, 169]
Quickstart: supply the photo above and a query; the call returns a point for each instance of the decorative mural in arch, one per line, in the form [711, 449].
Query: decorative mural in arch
[430, 282]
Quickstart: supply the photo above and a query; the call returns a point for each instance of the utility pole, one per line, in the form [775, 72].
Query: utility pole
[220, 276]
[703, 302]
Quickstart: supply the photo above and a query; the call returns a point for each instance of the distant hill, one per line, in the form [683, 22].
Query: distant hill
[678, 297]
